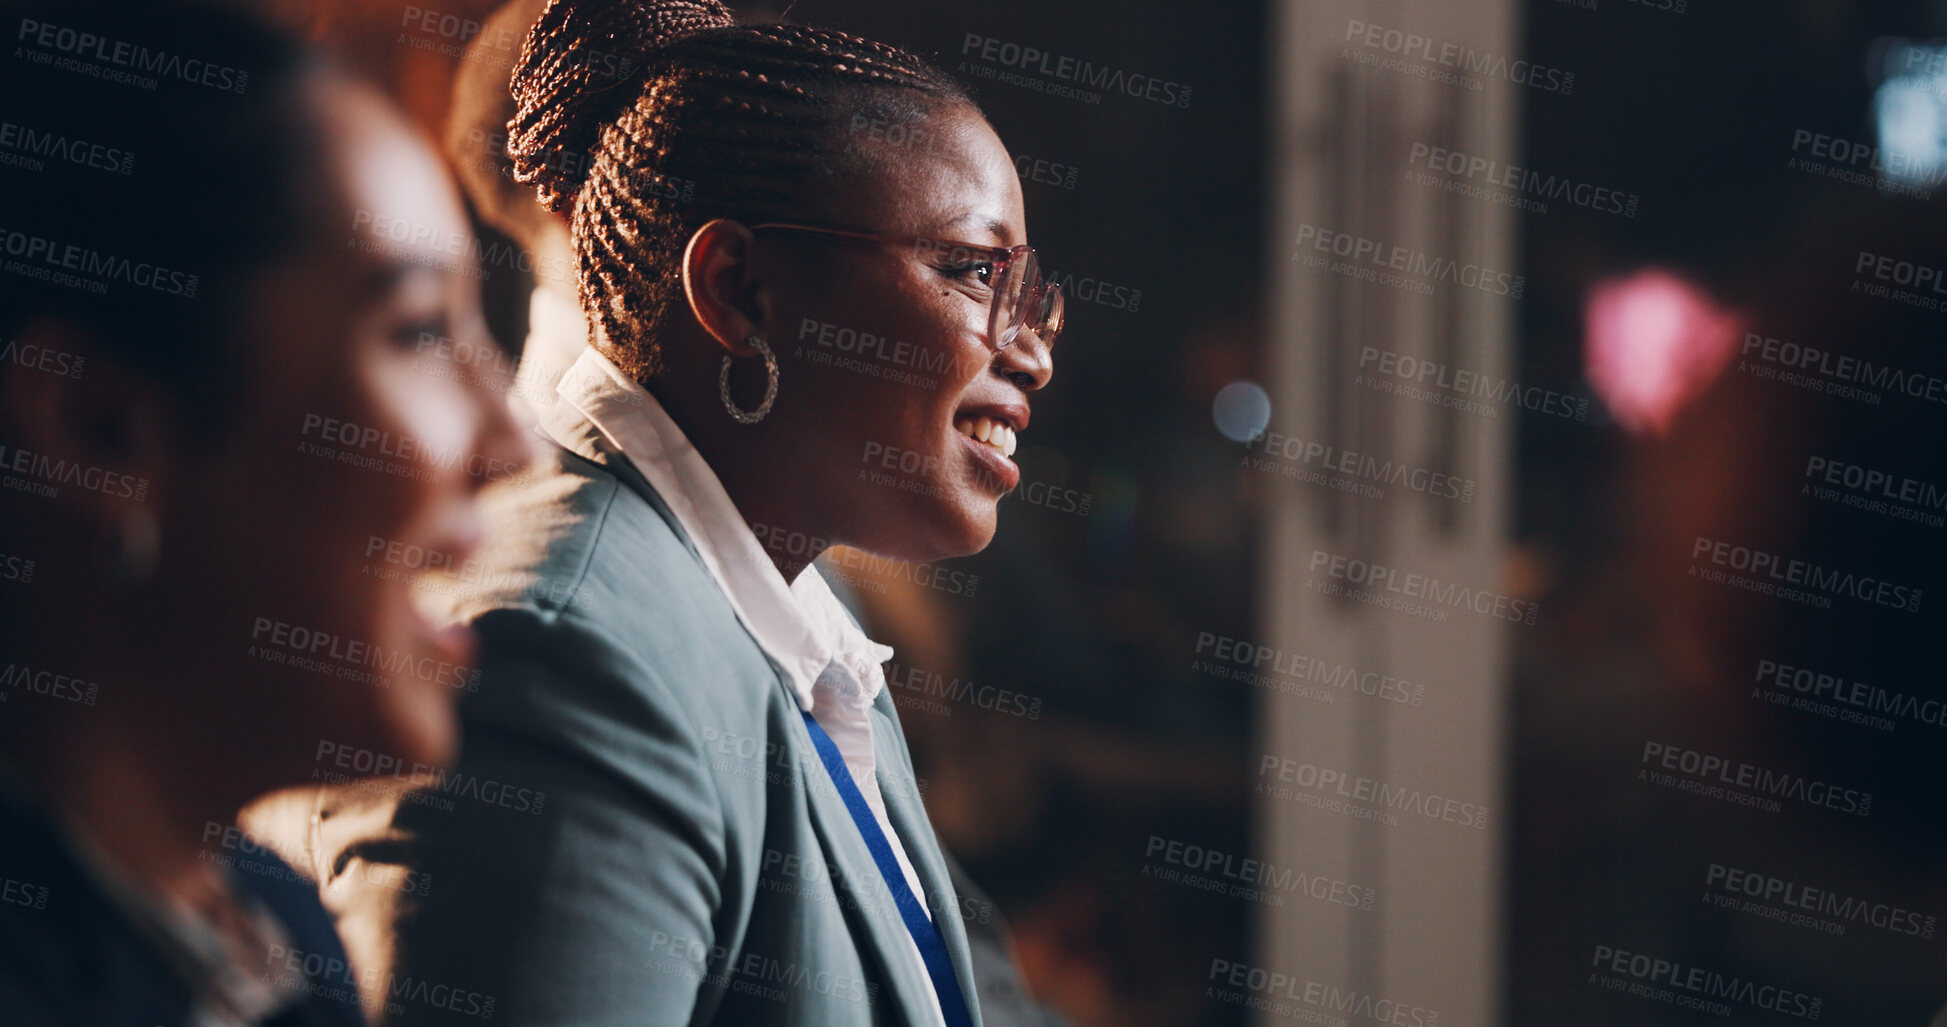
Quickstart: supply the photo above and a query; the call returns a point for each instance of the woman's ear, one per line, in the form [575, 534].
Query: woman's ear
[721, 282]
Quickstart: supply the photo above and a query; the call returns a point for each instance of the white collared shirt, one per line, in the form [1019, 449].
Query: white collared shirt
[800, 625]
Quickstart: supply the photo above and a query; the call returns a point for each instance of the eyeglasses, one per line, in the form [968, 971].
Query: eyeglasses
[1021, 297]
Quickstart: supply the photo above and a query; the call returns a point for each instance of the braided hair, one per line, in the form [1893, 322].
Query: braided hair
[647, 118]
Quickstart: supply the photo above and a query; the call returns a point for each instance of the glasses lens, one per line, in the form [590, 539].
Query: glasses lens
[1013, 287]
[1049, 307]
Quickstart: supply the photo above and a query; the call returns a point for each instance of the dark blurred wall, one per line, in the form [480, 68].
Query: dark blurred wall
[1707, 114]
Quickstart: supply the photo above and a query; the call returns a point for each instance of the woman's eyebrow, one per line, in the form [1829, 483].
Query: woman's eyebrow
[395, 275]
[987, 222]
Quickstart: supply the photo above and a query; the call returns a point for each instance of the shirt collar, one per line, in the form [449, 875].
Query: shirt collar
[800, 625]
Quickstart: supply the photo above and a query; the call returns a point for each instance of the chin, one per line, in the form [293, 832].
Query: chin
[973, 529]
[418, 719]
[407, 714]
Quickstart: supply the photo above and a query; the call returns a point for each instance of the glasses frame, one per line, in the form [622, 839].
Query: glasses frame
[1033, 294]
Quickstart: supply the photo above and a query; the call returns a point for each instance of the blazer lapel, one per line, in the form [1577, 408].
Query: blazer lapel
[909, 818]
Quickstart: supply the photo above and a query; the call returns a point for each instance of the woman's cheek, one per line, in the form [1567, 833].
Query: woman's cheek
[433, 417]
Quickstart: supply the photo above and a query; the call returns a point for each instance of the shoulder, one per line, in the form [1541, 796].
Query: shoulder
[599, 628]
[587, 547]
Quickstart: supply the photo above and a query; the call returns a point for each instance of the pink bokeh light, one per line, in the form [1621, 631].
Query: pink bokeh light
[1653, 343]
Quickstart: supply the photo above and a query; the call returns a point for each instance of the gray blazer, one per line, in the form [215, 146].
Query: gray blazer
[638, 830]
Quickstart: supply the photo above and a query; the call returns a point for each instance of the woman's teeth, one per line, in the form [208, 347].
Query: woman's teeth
[988, 430]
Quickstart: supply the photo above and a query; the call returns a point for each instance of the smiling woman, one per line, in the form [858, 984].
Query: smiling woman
[732, 830]
[207, 609]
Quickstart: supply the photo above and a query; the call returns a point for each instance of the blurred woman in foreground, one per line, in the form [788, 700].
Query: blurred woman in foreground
[226, 448]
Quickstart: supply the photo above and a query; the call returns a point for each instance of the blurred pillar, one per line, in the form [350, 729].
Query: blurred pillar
[1376, 267]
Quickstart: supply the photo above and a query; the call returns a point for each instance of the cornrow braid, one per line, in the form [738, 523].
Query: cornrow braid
[647, 118]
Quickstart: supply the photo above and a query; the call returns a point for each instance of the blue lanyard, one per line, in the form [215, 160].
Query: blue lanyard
[932, 949]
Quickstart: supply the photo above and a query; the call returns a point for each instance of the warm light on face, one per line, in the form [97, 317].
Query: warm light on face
[1653, 343]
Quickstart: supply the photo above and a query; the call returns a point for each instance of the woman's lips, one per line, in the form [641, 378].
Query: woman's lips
[991, 454]
[992, 431]
[459, 537]
[455, 643]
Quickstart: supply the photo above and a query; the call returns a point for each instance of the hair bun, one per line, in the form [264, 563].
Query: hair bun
[570, 81]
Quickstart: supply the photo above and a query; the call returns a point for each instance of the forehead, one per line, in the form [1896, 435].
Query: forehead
[397, 202]
[942, 172]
